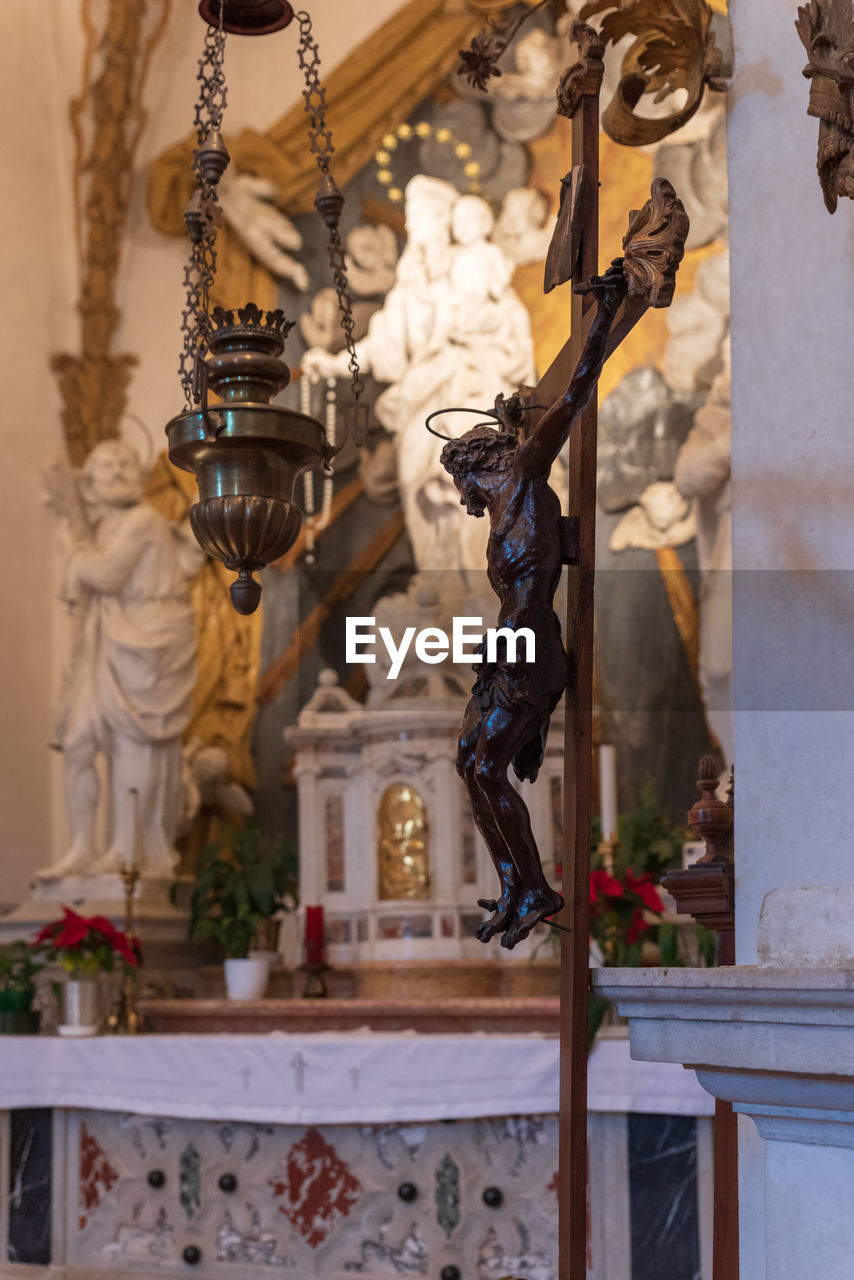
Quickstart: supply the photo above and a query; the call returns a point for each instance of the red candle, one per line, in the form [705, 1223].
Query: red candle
[314, 935]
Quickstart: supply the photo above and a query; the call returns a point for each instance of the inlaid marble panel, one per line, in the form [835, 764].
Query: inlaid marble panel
[663, 1197]
[323, 1202]
[29, 1196]
[317, 1201]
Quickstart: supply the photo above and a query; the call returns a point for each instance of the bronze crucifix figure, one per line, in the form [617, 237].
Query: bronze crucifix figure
[506, 476]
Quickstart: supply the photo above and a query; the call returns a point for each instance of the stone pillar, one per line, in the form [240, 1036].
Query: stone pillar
[793, 463]
[777, 1039]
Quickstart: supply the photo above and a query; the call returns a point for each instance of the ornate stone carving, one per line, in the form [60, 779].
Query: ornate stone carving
[674, 48]
[826, 28]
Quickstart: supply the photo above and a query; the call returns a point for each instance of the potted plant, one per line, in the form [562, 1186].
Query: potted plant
[85, 947]
[240, 882]
[18, 969]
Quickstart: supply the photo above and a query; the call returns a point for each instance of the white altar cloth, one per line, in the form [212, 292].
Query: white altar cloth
[330, 1078]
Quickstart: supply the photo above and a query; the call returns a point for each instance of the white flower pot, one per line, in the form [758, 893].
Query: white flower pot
[81, 1007]
[247, 979]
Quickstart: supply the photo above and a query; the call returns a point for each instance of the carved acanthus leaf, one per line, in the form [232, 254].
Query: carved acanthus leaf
[583, 78]
[826, 28]
[674, 48]
[654, 246]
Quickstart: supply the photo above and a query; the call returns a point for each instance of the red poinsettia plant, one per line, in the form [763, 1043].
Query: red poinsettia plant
[623, 908]
[86, 945]
[620, 910]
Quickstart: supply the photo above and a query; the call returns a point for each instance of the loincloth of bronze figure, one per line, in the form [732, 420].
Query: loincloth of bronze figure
[530, 690]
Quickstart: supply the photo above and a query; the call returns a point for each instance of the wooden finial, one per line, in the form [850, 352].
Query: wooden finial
[711, 818]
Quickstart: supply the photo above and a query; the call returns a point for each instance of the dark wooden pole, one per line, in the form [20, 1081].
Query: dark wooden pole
[572, 1176]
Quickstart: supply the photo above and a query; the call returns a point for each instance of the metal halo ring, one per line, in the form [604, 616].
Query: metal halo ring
[488, 413]
[437, 413]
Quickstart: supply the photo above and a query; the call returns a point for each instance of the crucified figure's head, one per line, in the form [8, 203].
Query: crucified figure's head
[475, 462]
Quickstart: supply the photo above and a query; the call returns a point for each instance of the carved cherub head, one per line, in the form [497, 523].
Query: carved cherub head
[481, 452]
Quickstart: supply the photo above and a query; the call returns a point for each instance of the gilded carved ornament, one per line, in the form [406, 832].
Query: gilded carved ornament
[403, 845]
[674, 48]
[107, 119]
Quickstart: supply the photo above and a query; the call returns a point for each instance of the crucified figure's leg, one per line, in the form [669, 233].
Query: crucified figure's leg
[504, 906]
[502, 735]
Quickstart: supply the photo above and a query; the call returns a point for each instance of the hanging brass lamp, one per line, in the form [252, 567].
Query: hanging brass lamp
[245, 451]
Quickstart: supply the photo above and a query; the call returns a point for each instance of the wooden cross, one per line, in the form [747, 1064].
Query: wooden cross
[653, 247]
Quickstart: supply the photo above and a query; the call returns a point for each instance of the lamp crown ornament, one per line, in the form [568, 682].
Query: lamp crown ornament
[251, 320]
[245, 451]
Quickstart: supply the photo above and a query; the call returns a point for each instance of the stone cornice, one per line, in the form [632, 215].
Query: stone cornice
[777, 1043]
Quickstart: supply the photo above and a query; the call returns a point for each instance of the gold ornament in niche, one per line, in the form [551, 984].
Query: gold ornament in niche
[403, 844]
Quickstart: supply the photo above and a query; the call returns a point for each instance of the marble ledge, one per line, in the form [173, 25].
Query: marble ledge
[776, 1043]
[444, 1016]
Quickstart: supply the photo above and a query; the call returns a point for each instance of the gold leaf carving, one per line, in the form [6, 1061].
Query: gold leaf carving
[654, 245]
[674, 48]
[107, 119]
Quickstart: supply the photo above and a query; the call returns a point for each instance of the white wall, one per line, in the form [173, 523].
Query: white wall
[40, 45]
[793, 479]
[36, 262]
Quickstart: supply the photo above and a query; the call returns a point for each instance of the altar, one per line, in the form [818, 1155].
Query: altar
[326, 1154]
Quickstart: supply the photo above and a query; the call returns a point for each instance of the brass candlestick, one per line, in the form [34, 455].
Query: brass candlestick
[607, 850]
[124, 1019]
[315, 981]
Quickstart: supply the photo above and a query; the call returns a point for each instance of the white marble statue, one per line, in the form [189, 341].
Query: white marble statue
[698, 324]
[662, 518]
[703, 474]
[451, 332]
[131, 675]
[248, 206]
[525, 225]
[371, 259]
[206, 784]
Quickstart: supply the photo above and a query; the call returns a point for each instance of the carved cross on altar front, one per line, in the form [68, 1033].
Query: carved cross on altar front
[298, 1065]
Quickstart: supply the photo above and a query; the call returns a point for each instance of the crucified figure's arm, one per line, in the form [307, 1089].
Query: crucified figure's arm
[536, 455]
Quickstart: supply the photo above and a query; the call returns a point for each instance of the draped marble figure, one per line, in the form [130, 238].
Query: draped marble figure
[131, 674]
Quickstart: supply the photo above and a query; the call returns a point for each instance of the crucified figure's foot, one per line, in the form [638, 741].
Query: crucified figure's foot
[533, 906]
[504, 909]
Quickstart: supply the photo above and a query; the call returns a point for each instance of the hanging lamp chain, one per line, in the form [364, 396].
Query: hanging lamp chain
[329, 200]
[203, 214]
